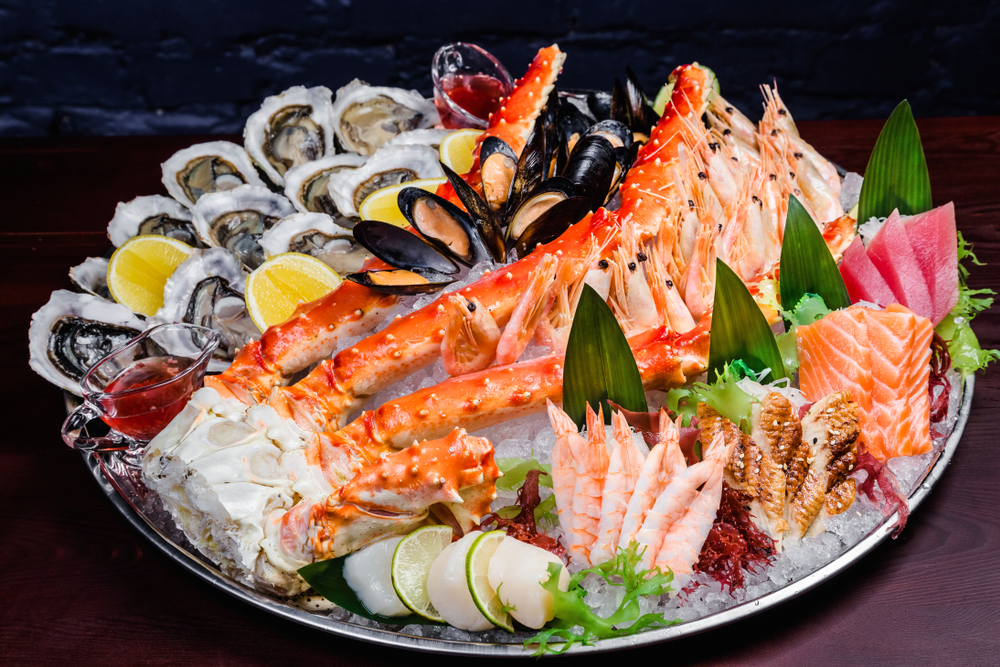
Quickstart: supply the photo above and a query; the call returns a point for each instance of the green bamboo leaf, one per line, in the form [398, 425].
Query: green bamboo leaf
[807, 265]
[599, 364]
[327, 578]
[896, 176]
[739, 329]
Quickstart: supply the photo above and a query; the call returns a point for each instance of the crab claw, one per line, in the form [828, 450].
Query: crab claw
[470, 337]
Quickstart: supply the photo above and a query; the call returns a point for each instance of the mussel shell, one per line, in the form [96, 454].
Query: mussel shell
[482, 216]
[551, 224]
[592, 167]
[624, 158]
[643, 115]
[599, 103]
[545, 195]
[396, 281]
[614, 131]
[573, 124]
[451, 230]
[549, 119]
[529, 169]
[498, 165]
[401, 249]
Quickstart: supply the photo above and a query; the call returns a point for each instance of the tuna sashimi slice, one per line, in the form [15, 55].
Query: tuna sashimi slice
[934, 240]
[892, 255]
[863, 281]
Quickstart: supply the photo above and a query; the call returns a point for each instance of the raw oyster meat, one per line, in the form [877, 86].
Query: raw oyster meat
[290, 129]
[389, 166]
[316, 234]
[205, 168]
[153, 214]
[307, 186]
[235, 220]
[366, 117]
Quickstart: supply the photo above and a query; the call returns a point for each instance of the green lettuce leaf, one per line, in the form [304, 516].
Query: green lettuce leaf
[956, 328]
[810, 308]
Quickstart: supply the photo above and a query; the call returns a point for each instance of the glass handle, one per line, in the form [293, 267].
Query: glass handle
[75, 427]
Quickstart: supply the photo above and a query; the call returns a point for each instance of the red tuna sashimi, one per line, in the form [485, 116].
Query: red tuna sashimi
[863, 281]
[892, 255]
[934, 241]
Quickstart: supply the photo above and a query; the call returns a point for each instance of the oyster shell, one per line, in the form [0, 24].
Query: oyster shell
[73, 331]
[207, 290]
[389, 166]
[307, 186]
[153, 214]
[236, 219]
[92, 276]
[429, 137]
[205, 168]
[290, 129]
[316, 234]
[366, 117]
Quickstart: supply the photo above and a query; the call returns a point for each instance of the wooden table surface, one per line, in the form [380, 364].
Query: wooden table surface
[79, 583]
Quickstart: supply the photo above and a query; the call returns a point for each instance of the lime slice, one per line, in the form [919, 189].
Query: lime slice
[277, 287]
[662, 97]
[458, 150]
[383, 204]
[410, 564]
[477, 564]
[138, 271]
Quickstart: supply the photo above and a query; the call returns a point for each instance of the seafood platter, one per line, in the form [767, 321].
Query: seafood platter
[547, 371]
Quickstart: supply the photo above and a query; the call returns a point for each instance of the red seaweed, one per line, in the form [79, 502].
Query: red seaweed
[522, 527]
[895, 500]
[734, 543]
[940, 364]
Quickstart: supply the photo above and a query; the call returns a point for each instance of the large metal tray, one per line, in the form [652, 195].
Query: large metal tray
[169, 540]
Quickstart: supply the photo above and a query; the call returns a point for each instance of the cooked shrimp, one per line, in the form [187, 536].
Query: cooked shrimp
[533, 304]
[470, 337]
[664, 462]
[623, 473]
[592, 468]
[563, 467]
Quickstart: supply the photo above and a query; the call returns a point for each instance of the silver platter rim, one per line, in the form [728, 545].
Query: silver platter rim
[210, 574]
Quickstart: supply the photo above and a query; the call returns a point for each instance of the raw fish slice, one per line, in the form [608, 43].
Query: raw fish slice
[911, 434]
[863, 281]
[890, 340]
[934, 240]
[833, 356]
[892, 255]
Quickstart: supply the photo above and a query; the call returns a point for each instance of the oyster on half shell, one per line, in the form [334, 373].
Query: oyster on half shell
[236, 219]
[205, 168]
[92, 276]
[366, 117]
[73, 331]
[391, 165]
[153, 214]
[290, 129]
[316, 234]
[307, 186]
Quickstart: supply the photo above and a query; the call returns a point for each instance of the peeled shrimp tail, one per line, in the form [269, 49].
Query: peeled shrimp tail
[563, 467]
[591, 461]
[624, 469]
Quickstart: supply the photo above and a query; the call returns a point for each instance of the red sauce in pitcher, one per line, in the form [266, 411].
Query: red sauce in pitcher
[143, 414]
[477, 94]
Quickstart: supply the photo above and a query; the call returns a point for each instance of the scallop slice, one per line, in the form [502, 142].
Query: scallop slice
[516, 572]
[366, 117]
[290, 129]
[205, 168]
[391, 165]
[369, 574]
[448, 587]
[316, 234]
[307, 186]
[236, 219]
[153, 214]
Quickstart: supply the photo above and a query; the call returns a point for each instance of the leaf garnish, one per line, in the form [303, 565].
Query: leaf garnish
[570, 609]
[807, 265]
[896, 176]
[515, 470]
[740, 330]
[599, 364]
[327, 578]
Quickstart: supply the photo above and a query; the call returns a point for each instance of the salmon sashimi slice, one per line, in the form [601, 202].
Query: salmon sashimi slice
[883, 359]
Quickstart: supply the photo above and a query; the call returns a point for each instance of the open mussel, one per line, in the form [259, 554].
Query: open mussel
[402, 281]
[543, 197]
[447, 227]
[573, 123]
[630, 105]
[498, 165]
[530, 168]
[400, 248]
[483, 217]
[552, 223]
[616, 132]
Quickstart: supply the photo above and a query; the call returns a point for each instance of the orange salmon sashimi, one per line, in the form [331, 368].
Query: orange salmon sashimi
[882, 357]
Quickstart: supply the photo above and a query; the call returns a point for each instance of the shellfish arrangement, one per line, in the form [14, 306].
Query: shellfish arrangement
[453, 333]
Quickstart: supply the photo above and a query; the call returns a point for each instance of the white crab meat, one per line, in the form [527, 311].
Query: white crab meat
[369, 574]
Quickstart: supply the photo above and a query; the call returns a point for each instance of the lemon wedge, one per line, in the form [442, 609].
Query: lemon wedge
[277, 287]
[384, 204]
[139, 269]
[458, 148]
[411, 564]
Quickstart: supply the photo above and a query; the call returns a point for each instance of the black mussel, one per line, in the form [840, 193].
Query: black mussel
[399, 248]
[444, 225]
[621, 110]
[614, 131]
[552, 223]
[624, 157]
[484, 219]
[643, 116]
[573, 124]
[549, 119]
[599, 103]
[402, 281]
[529, 169]
[592, 167]
[497, 164]
[543, 197]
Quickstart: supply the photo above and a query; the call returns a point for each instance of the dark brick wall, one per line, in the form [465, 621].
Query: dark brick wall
[93, 67]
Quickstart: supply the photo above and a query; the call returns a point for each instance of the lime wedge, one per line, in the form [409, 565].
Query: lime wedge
[411, 563]
[477, 564]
